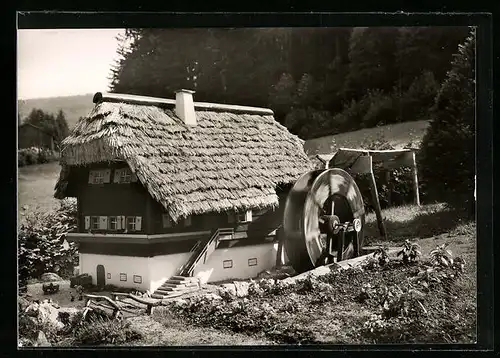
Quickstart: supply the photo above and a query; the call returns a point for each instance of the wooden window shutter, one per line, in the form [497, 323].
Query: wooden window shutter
[118, 221]
[103, 222]
[133, 178]
[107, 175]
[116, 175]
[123, 222]
[91, 176]
[248, 215]
[87, 222]
[138, 223]
[231, 217]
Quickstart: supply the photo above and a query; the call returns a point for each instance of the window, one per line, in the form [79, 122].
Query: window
[187, 221]
[133, 223]
[94, 222]
[113, 223]
[109, 276]
[244, 216]
[252, 261]
[123, 277]
[227, 264]
[99, 176]
[137, 279]
[125, 176]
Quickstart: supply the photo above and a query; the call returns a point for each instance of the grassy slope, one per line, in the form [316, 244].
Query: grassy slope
[36, 188]
[72, 106]
[397, 134]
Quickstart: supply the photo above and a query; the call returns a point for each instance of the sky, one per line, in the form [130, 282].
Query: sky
[64, 62]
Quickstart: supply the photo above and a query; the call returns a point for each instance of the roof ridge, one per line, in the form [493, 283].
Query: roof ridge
[100, 97]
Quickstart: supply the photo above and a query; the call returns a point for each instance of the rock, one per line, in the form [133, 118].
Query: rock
[227, 289]
[68, 315]
[50, 277]
[212, 296]
[41, 340]
[241, 288]
[180, 302]
[45, 313]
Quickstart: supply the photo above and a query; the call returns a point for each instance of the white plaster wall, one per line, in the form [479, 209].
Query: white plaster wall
[114, 265]
[162, 267]
[213, 270]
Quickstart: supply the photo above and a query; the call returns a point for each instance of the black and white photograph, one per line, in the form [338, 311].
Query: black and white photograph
[246, 186]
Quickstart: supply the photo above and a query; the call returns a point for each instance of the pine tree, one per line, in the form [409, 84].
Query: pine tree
[447, 159]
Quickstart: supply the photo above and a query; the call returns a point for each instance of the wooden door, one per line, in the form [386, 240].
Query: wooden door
[101, 276]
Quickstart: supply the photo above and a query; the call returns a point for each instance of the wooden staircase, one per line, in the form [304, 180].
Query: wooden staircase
[184, 282]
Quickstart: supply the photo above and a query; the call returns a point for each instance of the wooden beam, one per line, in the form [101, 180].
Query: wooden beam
[279, 254]
[415, 180]
[376, 203]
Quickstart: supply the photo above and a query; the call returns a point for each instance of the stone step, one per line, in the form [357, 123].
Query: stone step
[161, 292]
[157, 296]
[168, 284]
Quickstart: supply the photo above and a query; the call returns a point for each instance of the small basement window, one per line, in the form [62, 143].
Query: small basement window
[252, 261]
[227, 264]
[137, 279]
[123, 277]
[94, 222]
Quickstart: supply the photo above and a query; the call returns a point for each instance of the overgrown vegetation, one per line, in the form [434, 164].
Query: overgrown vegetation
[34, 155]
[44, 324]
[381, 301]
[41, 244]
[101, 331]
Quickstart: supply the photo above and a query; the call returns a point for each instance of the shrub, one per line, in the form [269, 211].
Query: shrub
[105, 331]
[33, 155]
[41, 245]
[448, 149]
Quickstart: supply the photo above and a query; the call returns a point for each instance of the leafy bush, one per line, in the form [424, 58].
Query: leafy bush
[410, 251]
[447, 160]
[105, 331]
[33, 155]
[41, 246]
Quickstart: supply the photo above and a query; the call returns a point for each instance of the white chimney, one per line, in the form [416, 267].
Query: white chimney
[184, 106]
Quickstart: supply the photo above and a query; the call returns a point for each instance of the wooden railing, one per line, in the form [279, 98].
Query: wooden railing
[199, 251]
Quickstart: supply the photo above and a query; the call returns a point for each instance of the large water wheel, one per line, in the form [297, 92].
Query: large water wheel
[323, 219]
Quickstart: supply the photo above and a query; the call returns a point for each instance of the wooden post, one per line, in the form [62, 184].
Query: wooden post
[279, 254]
[376, 202]
[415, 180]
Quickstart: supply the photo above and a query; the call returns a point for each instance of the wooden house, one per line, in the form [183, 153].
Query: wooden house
[30, 135]
[175, 187]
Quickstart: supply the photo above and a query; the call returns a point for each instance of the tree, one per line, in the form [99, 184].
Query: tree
[447, 159]
[61, 127]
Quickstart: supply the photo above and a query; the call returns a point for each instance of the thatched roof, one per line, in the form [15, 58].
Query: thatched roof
[228, 161]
